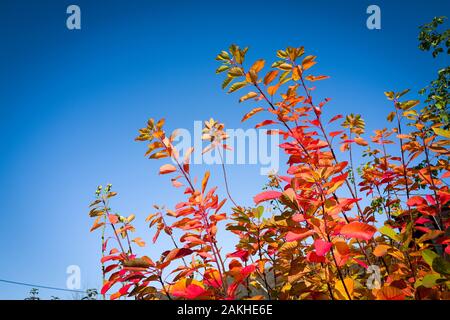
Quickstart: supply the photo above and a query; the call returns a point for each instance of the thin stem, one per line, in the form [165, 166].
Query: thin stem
[352, 167]
[427, 159]
[103, 253]
[268, 288]
[164, 288]
[225, 177]
[114, 228]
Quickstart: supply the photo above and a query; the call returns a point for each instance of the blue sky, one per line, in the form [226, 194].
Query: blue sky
[71, 103]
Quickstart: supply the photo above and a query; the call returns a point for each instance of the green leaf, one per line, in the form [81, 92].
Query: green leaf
[399, 95]
[441, 265]
[222, 68]
[237, 228]
[259, 212]
[391, 116]
[389, 95]
[429, 255]
[281, 54]
[408, 104]
[389, 232]
[236, 72]
[276, 64]
[430, 280]
[226, 82]
[236, 86]
[285, 66]
[442, 132]
[223, 56]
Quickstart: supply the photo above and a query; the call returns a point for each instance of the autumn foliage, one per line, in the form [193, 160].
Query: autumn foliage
[323, 228]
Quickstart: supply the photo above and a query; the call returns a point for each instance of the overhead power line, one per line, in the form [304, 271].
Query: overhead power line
[40, 286]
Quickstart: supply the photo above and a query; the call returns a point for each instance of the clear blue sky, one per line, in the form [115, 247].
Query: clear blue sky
[71, 103]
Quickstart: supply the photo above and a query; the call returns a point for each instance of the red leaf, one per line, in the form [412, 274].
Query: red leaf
[178, 253]
[294, 236]
[242, 254]
[335, 133]
[416, 201]
[339, 116]
[124, 289]
[322, 247]
[313, 257]
[266, 195]
[298, 217]
[265, 123]
[358, 230]
[193, 291]
[107, 286]
[361, 263]
[444, 197]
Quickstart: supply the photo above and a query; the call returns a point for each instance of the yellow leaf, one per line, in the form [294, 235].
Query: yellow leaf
[339, 289]
[408, 104]
[389, 95]
[251, 113]
[249, 95]
[442, 132]
[296, 73]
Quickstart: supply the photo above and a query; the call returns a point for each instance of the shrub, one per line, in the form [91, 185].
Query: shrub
[324, 230]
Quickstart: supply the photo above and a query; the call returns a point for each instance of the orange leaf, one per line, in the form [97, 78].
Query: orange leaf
[139, 241]
[113, 218]
[96, 224]
[257, 66]
[270, 76]
[205, 180]
[390, 293]
[308, 62]
[251, 113]
[358, 230]
[361, 141]
[316, 78]
[380, 250]
[273, 89]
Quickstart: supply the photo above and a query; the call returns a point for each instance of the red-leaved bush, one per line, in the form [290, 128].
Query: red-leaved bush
[323, 229]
